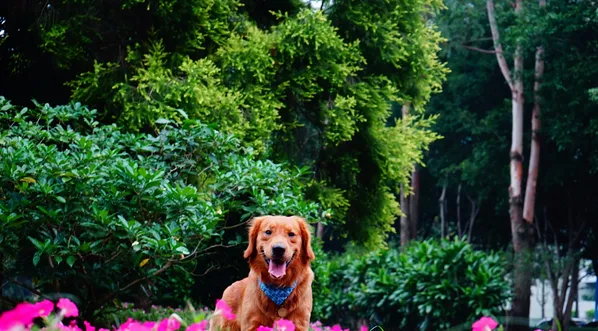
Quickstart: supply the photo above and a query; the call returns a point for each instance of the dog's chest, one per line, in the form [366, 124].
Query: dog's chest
[279, 304]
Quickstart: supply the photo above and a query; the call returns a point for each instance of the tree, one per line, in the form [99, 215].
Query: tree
[473, 121]
[461, 184]
[300, 86]
[521, 209]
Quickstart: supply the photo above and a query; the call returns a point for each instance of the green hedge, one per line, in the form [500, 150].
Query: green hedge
[102, 214]
[432, 285]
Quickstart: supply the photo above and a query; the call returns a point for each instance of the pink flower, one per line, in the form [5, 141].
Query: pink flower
[201, 326]
[364, 328]
[149, 325]
[67, 308]
[224, 309]
[71, 327]
[284, 325]
[317, 326]
[44, 308]
[88, 326]
[126, 324]
[169, 324]
[136, 326]
[22, 314]
[103, 329]
[337, 327]
[263, 328]
[484, 324]
[133, 325]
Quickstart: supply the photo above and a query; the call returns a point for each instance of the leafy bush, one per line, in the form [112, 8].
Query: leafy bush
[431, 285]
[103, 214]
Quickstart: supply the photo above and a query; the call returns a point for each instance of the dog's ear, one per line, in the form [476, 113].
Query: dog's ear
[254, 230]
[307, 251]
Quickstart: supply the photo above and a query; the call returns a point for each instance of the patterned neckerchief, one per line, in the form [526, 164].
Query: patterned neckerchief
[278, 294]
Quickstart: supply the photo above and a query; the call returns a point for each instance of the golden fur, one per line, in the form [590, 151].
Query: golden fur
[251, 306]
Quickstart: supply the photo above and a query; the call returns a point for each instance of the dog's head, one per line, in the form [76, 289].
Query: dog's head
[279, 244]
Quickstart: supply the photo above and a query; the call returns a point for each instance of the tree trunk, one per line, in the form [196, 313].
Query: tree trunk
[442, 204]
[522, 234]
[534, 163]
[404, 199]
[320, 231]
[475, 209]
[543, 303]
[459, 232]
[564, 311]
[414, 202]
[574, 274]
[595, 267]
[405, 226]
[565, 269]
[522, 231]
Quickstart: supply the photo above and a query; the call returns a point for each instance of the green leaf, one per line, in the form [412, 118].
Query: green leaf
[162, 121]
[182, 250]
[36, 243]
[61, 199]
[36, 258]
[70, 261]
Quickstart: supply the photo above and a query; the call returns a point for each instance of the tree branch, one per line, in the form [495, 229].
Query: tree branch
[478, 39]
[30, 289]
[481, 50]
[502, 63]
[133, 283]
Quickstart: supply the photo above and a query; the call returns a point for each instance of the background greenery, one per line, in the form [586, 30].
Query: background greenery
[161, 127]
[432, 285]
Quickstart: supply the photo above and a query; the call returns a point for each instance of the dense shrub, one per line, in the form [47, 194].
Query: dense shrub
[431, 285]
[101, 214]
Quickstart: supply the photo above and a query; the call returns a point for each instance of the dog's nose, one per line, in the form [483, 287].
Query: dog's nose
[278, 250]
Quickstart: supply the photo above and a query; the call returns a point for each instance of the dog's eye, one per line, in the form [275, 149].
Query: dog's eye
[268, 232]
[291, 234]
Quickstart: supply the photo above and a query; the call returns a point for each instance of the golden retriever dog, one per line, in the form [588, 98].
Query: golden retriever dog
[280, 277]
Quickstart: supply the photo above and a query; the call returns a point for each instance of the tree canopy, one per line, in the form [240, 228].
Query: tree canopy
[297, 85]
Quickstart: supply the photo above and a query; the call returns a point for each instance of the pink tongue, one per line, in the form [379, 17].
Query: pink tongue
[277, 270]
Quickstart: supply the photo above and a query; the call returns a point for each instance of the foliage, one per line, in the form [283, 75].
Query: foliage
[297, 85]
[278, 86]
[431, 285]
[82, 202]
[475, 122]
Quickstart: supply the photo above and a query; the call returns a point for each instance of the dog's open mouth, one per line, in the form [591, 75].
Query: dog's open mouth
[278, 268]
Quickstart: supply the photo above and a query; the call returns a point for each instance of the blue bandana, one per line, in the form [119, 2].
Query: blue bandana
[277, 294]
